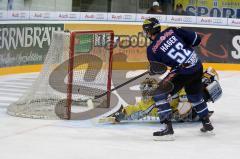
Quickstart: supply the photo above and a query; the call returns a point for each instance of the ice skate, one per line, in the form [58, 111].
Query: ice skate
[207, 129]
[166, 134]
[207, 125]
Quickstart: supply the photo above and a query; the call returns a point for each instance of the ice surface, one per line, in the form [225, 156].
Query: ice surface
[22, 138]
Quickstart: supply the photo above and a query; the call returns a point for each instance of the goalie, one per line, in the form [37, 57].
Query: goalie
[182, 108]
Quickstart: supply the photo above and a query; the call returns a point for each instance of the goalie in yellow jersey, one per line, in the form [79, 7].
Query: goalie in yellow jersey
[182, 108]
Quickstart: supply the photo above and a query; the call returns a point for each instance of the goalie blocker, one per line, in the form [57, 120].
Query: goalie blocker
[213, 90]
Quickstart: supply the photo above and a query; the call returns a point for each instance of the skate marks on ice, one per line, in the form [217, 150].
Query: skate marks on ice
[12, 87]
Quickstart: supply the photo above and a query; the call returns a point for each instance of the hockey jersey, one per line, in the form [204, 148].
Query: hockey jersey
[174, 48]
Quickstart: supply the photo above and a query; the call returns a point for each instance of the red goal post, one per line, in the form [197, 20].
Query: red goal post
[71, 63]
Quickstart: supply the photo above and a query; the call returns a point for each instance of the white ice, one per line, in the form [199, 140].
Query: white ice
[22, 138]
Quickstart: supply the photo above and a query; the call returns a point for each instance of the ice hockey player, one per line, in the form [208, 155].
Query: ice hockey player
[175, 48]
[182, 108]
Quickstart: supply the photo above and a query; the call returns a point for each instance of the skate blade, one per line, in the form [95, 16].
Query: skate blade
[207, 133]
[107, 120]
[164, 138]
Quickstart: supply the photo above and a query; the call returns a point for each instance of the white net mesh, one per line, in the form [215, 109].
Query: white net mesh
[49, 96]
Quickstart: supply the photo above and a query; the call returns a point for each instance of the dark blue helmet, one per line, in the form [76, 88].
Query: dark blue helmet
[151, 26]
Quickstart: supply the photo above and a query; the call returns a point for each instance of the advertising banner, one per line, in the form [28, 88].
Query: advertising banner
[129, 39]
[18, 15]
[121, 17]
[181, 19]
[219, 45]
[67, 16]
[116, 17]
[42, 15]
[234, 22]
[142, 17]
[23, 44]
[94, 16]
[211, 21]
[214, 8]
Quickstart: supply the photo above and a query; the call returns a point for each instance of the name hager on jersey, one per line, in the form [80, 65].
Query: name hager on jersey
[171, 50]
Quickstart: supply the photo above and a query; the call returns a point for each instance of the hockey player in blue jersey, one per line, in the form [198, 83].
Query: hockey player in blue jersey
[175, 48]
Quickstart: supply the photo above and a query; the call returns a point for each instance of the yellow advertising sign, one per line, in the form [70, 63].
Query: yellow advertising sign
[213, 8]
[129, 39]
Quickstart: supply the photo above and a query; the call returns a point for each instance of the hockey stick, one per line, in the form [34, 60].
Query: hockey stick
[158, 68]
[115, 88]
[121, 85]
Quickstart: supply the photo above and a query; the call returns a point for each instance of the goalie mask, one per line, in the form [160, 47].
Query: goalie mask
[148, 86]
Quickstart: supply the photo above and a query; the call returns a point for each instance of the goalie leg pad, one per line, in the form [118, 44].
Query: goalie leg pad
[141, 113]
[184, 108]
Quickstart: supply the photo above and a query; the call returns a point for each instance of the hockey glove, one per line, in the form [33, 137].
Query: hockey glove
[157, 68]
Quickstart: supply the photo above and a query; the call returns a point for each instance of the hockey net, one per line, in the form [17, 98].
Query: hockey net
[77, 67]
